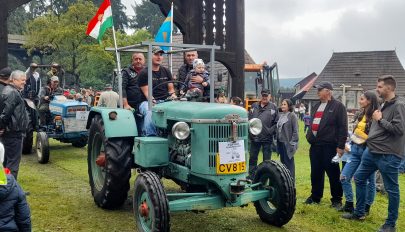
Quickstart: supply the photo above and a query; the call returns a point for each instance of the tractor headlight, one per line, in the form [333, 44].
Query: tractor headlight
[255, 126]
[181, 130]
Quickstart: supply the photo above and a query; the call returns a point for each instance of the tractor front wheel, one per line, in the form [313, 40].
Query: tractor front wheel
[279, 208]
[109, 166]
[150, 203]
[42, 147]
[80, 143]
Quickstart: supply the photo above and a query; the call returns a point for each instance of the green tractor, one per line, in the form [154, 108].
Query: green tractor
[203, 147]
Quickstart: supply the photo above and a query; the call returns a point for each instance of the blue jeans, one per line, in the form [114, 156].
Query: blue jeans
[388, 166]
[402, 167]
[348, 171]
[148, 127]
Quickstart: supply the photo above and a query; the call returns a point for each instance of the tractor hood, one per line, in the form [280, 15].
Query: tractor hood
[66, 108]
[194, 112]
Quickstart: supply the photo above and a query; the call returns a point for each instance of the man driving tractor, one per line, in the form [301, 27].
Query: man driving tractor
[46, 94]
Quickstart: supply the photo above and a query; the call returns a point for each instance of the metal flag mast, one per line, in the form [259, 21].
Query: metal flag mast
[117, 55]
[171, 40]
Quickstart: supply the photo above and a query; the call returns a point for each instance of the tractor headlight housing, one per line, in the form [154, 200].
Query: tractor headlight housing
[181, 130]
[255, 126]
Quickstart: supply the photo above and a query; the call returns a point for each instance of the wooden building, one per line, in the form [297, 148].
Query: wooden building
[351, 73]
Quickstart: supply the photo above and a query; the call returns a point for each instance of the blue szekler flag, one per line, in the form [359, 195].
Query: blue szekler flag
[165, 31]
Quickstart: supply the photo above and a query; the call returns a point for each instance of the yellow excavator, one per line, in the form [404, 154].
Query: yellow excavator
[259, 77]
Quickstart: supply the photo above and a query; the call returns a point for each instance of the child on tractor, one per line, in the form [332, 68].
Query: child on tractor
[194, 88]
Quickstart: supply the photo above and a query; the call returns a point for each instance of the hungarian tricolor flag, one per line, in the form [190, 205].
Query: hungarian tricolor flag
[101, 21]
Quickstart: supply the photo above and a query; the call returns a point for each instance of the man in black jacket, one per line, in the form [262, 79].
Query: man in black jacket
[13, 121]
[131, 93]
[267, 112]
[33, 85]
[327, 136]
[384, 152]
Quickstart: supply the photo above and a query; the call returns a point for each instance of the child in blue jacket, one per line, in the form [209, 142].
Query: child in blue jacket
[14, 209]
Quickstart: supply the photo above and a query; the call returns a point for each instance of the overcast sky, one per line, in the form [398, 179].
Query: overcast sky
[302, 35]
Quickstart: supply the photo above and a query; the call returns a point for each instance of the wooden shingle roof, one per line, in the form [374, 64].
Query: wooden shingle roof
[361, 69]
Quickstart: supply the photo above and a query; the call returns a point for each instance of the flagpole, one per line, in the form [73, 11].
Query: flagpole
[118, 68]
[171, 40]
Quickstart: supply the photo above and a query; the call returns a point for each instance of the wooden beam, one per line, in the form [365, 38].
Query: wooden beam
[7, 7]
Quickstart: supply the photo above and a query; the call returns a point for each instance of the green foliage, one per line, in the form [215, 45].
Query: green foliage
[62, 38]
[17, 20]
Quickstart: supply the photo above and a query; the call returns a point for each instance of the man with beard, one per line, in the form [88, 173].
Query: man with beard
[384, 152]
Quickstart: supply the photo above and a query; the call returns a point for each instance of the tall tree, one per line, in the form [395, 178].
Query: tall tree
[62, 36]
[147, 16]
[37, 8]
[17, 20]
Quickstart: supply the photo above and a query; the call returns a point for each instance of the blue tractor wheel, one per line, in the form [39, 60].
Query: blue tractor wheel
[280, 207]
[150, 204]
[42, 147]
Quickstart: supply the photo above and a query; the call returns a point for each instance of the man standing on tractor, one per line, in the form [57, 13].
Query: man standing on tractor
[56, 70]
[131, 93]
[45, 96]
[184, 69]
[13, 121]
[161, 91]
[33, 84]
[267, 112]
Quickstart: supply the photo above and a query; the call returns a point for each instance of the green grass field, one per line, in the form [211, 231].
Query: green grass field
[60, 200]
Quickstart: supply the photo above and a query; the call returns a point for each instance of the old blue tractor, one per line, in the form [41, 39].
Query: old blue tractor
[67, 124]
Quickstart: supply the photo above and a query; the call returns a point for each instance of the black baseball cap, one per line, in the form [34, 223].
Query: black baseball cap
[265, 92]
[5, 73]
[324, 85]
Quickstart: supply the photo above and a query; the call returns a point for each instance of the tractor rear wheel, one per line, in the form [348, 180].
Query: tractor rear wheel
[109, 166]
[29, 134]
[279, 208]
[150, 203]
[42, 148]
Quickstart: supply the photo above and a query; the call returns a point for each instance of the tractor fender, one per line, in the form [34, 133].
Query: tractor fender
[123, 126]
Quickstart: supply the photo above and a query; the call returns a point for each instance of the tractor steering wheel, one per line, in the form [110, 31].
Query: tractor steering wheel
[167, 96]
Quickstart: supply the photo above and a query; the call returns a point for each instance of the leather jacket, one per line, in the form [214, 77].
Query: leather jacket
[14, 117]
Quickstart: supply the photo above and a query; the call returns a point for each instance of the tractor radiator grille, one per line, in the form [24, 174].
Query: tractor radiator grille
[223, 133]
